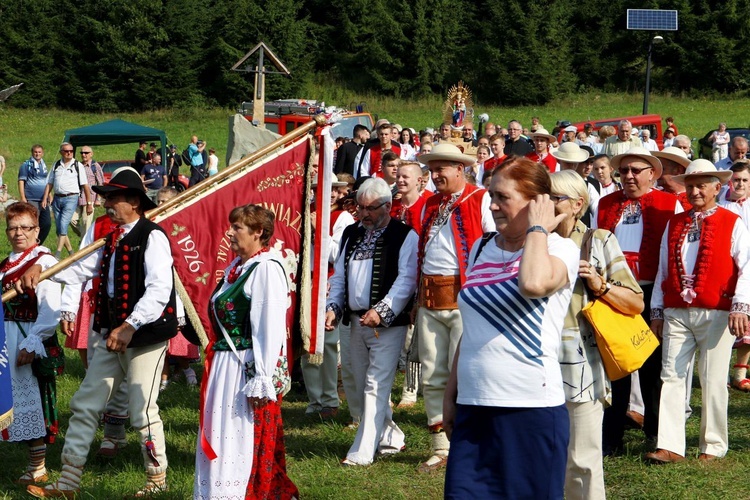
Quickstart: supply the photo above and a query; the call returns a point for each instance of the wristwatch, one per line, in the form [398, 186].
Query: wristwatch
[536, 229]
[604, 289]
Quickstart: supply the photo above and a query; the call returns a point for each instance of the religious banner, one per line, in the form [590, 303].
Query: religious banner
[6, 391]
[198, 227]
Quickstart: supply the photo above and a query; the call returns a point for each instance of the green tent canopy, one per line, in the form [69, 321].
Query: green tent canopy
[115, 131]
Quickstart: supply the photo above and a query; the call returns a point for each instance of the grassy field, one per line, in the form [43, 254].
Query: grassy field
[314, 448]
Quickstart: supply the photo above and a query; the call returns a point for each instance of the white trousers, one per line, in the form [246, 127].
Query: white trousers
[584, 473]
[142, 366]
[685, 331]
[353, 397]
[439, 333]
[374, 361]
[321, 381]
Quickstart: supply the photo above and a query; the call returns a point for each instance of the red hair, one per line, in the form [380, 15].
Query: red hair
[531, 177]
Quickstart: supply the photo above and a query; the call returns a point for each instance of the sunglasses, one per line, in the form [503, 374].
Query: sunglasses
[636, 171]
[85, 152]
[66, 150]
[558, 198]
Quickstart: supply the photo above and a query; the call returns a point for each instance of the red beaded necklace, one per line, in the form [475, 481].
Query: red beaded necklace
[237, 269]
[10, 264]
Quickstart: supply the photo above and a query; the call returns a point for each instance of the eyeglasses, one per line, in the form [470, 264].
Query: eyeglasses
[515, 129]
[24, 229]
[370, 209]
[558, 198]
[85, 152]
[636, 171]
[66, 150]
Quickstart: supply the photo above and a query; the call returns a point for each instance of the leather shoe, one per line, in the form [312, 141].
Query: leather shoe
[634, 420]
[41, 492]
[705, 457]
[661, 456]
[433, 463]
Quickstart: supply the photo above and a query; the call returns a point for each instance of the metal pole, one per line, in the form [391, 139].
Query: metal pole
[648, 78]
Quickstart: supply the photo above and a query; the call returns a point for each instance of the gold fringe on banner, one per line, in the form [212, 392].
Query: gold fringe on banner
[190, 310]
[6, 419]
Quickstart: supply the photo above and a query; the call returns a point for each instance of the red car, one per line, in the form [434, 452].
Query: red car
[109, 166]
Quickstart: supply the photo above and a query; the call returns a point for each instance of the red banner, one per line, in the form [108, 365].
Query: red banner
[198, 227]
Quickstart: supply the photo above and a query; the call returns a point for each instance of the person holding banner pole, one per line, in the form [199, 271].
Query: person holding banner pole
[29, 320]
[135, 315]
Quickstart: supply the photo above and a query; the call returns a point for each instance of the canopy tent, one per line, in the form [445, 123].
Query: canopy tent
[115, 132]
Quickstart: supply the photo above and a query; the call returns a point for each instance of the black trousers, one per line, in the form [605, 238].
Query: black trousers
[613, 425]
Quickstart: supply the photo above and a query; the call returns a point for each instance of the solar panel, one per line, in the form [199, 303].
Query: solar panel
[652, 19]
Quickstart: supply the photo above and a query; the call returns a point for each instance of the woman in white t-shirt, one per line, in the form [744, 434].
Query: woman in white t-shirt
[504, 407]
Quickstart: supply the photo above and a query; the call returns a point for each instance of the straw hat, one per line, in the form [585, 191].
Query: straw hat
[543, 133]
[570, 152]
[703, 168]
[675, 154]
[642, 154]
[447, 152]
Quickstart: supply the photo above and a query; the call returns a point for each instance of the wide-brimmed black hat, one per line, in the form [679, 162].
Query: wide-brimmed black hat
[126, 179]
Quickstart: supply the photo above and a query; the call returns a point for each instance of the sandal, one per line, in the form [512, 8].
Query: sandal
[29, 477]
[742, 385]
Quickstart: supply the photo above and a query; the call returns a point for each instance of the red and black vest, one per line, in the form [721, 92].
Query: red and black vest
[21, 308]
[129, 286]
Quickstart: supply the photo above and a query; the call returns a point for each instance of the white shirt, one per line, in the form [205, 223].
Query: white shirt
[510, 359]
[739, 251]
[650, 144]
[741, 209]
[343, 220]
[440, 256]
[157, 264]
[64, 178]
[594, 197]
[360, 280]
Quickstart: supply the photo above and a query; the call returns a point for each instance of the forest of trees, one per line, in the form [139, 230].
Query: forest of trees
[129, 55]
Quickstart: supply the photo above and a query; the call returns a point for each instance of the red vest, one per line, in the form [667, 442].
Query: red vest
[492, 163]
[466, 224]
[21, 307]
[548, 161]
[656, 209]
[376, 153]
[715, 271]
[411, 216]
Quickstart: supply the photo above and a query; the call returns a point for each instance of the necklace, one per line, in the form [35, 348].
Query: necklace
[237, 270]
[10, 264]
[512, 257]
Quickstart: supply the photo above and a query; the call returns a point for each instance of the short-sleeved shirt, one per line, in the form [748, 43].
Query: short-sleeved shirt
[196, 158]
[67, 178]
[155, 172]
[510, 343]
[34, 175]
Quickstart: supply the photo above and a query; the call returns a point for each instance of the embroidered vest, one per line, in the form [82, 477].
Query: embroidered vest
[410, 216]
[231, 310]
[492, 163]
[549, 161]
[656, 209]
[130, 286]
[466, 224]
[715, 271]
[22, 307]
[384, 265]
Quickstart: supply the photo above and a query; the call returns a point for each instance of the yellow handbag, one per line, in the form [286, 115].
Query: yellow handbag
[625, 342]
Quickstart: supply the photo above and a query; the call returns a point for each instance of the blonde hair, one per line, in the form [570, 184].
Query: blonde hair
[606, 131]
[570, 183]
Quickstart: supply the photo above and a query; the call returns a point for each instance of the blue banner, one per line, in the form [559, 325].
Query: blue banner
[6, 390]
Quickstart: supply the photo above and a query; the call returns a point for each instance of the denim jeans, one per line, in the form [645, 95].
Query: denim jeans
[63, 208]
[45, 221]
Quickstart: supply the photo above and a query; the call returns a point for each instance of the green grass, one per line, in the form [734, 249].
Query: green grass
[314, 450]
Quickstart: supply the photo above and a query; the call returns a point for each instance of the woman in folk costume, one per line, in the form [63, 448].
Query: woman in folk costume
[30, 319]
[240, 452]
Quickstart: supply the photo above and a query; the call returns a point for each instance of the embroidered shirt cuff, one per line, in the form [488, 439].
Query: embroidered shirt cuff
[740, 307]
[336, 310]
[68, 316]
[135, 320]
[181, 322]
[33, 343]
[386, 313]
[657, 313]
[260, 387]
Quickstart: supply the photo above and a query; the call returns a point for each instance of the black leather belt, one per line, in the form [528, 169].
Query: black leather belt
[66, 195]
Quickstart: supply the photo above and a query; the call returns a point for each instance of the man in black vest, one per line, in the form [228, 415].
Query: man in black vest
[135, 316]
[372, 288]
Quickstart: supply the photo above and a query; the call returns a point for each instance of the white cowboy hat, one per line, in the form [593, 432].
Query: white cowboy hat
[448, 152]
[675, 154]
[543, 133]
[703, 168]
[642, 154]
[570, 128]
[571, 153]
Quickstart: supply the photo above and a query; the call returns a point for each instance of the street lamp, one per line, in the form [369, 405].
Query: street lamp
[657, 39]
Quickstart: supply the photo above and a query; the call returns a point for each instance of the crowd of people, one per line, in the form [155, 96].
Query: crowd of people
[464, 259]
